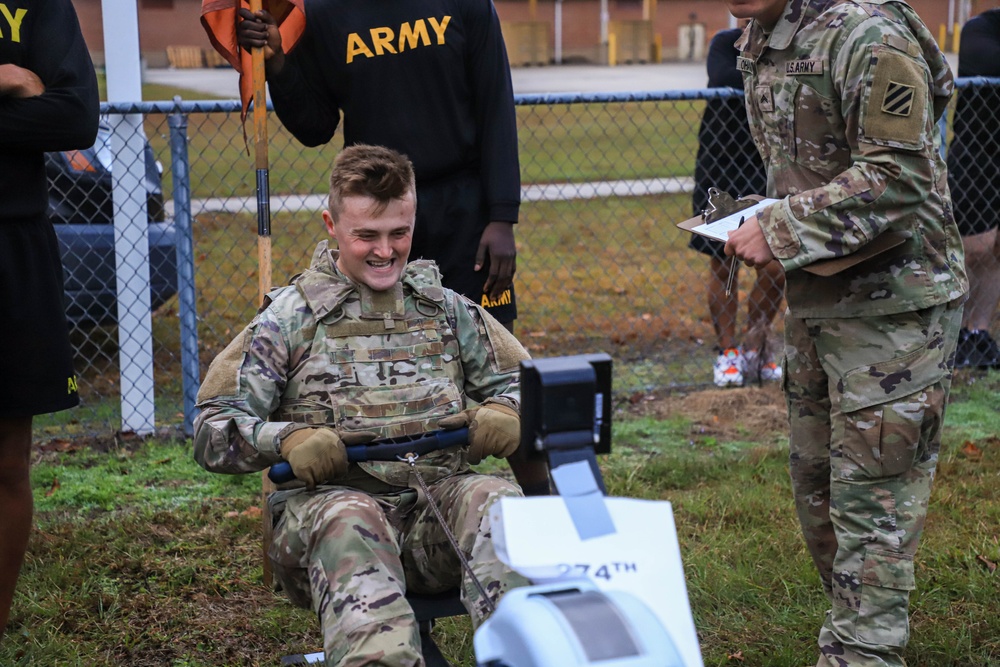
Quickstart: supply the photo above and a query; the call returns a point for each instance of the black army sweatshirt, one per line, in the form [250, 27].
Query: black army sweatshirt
[42, 36]
[429, 79]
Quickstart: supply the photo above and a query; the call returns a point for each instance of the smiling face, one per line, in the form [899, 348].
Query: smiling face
[374, 239]
[765, 12]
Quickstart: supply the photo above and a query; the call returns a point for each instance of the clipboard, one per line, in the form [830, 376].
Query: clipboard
[717, 222]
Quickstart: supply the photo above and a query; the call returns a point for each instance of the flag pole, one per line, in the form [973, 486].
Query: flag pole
[260, 160]
[263, 241]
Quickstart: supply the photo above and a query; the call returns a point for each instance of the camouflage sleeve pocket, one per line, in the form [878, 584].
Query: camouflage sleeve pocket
[886, 580]
[894, 107]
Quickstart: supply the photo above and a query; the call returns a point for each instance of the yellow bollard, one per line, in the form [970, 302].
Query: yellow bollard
[657, 48]
[956, 38]
[943, 37]
[612, 49]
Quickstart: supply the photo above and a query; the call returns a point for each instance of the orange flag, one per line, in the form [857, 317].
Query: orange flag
[219, 19]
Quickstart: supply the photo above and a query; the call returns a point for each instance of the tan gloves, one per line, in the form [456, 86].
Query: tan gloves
[494, 430]
[319, 454]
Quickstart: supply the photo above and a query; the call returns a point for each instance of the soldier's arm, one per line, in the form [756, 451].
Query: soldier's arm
[892, 154]
[58, 109]
[491, 355]
[242, 387]
[304, 103]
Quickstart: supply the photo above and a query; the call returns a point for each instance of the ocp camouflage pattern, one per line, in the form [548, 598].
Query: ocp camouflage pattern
[842, 98]
[335, 552]
[327, 352]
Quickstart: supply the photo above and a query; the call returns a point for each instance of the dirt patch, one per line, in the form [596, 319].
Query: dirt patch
[754, 413]
[47, 449]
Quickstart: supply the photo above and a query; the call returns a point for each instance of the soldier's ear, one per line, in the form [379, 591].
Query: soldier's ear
[329, 224]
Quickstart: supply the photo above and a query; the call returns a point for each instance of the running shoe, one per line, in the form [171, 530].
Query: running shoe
[728, 371]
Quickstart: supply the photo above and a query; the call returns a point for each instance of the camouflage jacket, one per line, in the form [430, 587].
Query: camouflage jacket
[842, 98]
[326, 351]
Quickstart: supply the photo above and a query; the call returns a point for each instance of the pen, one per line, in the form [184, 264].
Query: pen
[732, 267]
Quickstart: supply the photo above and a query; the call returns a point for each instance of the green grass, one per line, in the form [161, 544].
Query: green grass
[140, 558]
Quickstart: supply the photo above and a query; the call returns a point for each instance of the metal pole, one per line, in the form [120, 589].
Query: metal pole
[190, 374]
[605, 18]
[559, 26]
[128, 141]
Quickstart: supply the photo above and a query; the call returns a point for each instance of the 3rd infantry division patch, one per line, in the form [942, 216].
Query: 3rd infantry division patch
[898, 99]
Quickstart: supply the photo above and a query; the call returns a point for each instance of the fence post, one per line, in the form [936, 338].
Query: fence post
[185, 262]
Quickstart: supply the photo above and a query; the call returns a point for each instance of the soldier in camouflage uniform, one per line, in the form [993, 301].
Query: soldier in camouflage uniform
[842, 97]
[361, 346]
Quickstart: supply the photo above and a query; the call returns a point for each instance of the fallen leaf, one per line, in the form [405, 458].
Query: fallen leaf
[736, 656]
[990, 565]
[53, 488]
[231, 514]
[60, 445]
[252, 511]
[164, 461]
[971, 451]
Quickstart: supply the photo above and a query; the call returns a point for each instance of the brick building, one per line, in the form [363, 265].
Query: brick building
[637, 29]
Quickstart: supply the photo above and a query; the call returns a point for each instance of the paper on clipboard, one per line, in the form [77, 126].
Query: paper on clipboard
[721, 228]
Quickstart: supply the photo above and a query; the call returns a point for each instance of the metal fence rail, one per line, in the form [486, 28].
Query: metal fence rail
[601, 265]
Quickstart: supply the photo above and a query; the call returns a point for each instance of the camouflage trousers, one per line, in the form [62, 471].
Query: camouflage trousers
[866, 400]
[351, 557]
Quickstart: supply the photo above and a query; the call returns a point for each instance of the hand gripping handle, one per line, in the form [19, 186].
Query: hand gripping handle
[389, 449]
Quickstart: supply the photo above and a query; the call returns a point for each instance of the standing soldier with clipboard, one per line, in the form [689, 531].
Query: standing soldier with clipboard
[843, 98]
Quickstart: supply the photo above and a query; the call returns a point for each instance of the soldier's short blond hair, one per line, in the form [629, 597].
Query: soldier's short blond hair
[370, 171]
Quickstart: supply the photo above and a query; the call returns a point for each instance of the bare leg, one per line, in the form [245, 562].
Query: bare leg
[17, 506]
[722, 308]
[982, 261]
[765, 298]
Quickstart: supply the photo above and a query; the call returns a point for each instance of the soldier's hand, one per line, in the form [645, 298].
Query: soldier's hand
[259, 30]
[317, 455]
[748, 244]
[19, 82]
[494, 430]
[498, 240]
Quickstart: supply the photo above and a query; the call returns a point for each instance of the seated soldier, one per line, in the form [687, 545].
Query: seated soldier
[361, 346]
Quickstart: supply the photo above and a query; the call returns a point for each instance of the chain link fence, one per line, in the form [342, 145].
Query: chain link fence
[601, 264]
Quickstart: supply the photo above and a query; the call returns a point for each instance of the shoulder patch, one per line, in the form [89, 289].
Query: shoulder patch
[507, 349]
[898, 99]
[895, 114]
[223, 376]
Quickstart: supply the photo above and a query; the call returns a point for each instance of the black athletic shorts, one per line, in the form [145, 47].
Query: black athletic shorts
[451, 217]
[973, 177]
[36, 369]
[707, 246]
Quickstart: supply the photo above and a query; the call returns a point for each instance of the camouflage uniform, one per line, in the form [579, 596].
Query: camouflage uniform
[842, 97]
[326, 351]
